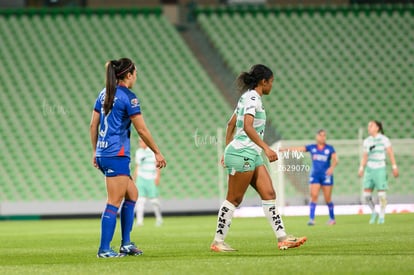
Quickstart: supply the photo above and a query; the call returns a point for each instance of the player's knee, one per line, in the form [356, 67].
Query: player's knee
[115, 202]
[367, 196]
[155, 201]
[141, 200]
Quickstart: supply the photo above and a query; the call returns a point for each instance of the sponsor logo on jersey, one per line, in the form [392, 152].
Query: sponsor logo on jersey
[134, 102]
[320, 157]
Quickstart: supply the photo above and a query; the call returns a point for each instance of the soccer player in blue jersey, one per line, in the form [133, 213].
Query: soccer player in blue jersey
[324, 161]
[115, 109]
[244, 162]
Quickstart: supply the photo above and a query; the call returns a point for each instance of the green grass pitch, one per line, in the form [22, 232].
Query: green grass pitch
[181, 246]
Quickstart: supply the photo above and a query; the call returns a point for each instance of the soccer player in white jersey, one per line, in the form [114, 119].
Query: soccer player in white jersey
[244, 163]
[147, 179]
[373, 162]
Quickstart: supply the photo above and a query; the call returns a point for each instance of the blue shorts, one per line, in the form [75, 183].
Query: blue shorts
[321, 178]
[114, 166]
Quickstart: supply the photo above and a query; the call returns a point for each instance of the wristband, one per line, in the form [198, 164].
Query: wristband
[394, 166]
[361, 168]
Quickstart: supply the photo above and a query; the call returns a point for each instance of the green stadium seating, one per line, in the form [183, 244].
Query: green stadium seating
[335, 68]
[356, 61]
[350, 60]
[53, 70]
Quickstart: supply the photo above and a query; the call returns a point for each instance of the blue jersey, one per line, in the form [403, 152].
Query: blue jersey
[115, 127]
[321, 158]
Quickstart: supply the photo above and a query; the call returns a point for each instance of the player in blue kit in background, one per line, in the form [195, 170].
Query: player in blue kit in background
[115, 109]
[324, 161]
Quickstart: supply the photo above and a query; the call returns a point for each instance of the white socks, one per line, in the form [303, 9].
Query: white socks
[140, 210]
[382, 197]
[157, 210]
[370, 202]
[383, 203]
[224, 217]
[270, 210]
[275, 219]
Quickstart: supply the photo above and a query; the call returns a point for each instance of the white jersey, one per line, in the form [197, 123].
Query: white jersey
[145, 159]
[249, 103]
[376, 148]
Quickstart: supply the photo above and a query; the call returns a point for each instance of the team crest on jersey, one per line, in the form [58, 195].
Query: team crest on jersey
[326, 151]
[134, 102]
[246, 165]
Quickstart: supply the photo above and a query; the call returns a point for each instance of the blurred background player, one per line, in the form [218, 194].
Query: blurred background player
[244, 163]
[147, 178]
[373, 161]
[324, 161]
[115, 109]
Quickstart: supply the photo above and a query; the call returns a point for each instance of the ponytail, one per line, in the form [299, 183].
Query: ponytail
[250, 80]
[379, 124]
[115, 70]
[111, 82]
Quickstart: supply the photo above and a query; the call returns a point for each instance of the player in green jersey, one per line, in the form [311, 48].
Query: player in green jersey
[147, 178]
[373, 168]
[243, 160]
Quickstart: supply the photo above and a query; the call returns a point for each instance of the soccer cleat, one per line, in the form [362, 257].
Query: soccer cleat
[158, 223]
[331, 222]
[373, 218]
[130, 249]
[221, 247]
[109, 254]
[311, 222]
[381, 221]
[291, 242]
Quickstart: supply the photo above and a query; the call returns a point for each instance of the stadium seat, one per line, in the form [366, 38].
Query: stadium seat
[62, 58]
[337, 68]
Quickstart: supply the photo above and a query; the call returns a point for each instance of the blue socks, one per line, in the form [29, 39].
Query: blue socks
[108, 224]
[331, 210]
[312, 206]
[127, 220]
